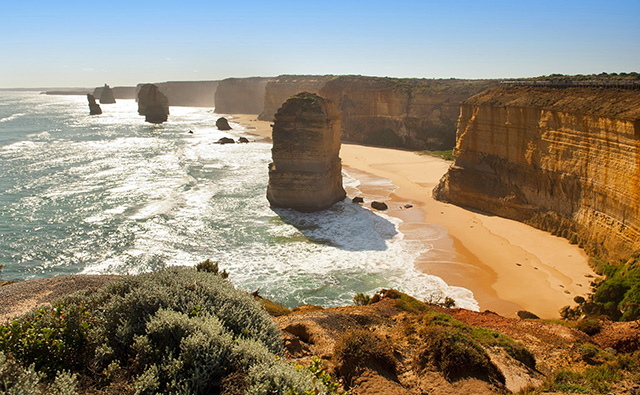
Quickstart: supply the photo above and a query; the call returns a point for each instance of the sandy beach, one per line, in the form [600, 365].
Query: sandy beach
[509, 266]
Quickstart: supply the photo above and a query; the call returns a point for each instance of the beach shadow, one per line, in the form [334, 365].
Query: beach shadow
[346, 225]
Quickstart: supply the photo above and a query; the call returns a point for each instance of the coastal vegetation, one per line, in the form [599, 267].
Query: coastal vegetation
[446, 154]
[177, 330]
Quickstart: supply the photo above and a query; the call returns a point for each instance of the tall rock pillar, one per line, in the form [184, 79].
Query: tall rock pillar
[306, 173]
[153, 104]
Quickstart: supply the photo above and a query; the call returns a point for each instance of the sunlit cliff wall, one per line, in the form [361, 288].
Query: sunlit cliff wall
[564, 160]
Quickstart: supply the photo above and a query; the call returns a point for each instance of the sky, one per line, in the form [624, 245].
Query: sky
[88, 43]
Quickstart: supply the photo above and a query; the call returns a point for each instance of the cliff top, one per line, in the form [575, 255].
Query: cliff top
[606, 102]
[415, 85]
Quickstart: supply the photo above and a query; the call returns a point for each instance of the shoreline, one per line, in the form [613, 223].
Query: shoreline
[509, 266]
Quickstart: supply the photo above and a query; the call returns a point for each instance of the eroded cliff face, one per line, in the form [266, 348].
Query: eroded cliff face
[564, 160]
[188, 93]
[306, 173]
[279, 89]
[407, 113]
[240, 95]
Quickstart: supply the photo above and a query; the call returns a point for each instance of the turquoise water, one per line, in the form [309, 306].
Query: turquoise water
[113, 194]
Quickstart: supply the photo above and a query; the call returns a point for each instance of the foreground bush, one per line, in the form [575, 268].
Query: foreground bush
[177, 330]
[358, 349]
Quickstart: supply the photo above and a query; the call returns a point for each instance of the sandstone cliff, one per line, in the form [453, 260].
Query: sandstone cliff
[152, 104]
[188, 93]
[407, 113]
[306, 173]
[565, 160]
[240, 95]
[280, 88]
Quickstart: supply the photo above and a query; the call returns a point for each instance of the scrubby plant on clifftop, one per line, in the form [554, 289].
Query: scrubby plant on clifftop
[177, 330]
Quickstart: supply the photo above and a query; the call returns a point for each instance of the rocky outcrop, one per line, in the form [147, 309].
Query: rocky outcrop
[106, 96]
[222, 124]
[119, 92]
[240, 95]
[188, 93]
[280, 88]
[564, 160]
[407, 113]
[94, 108]
[152, 104]
[306, 173]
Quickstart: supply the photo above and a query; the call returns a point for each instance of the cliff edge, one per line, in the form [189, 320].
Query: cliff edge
[564, 160]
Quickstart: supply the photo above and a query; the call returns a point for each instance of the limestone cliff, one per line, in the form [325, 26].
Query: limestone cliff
[280, 88]
[152, 104]
[106, 96]
[306, 173]
[240, 95]
[565, 160]
[407, 113]
[188, 93]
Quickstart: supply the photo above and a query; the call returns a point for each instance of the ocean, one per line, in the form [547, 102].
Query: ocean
[113, 194]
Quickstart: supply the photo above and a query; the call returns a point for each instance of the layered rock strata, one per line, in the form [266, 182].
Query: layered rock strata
[408, 113]
[306, 173]
[106, 96]
[280, 88]
[153, 104]
[564, 160]
[240, 95]
[94, 108]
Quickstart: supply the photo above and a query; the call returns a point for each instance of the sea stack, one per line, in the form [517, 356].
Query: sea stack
[94, 108]
[222, 124]
[106, 96]
[306, 173]
[153, 104]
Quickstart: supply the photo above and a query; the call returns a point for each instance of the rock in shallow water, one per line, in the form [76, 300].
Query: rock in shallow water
[222, 124]
[94, 108]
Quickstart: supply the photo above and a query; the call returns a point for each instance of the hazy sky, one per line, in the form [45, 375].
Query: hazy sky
[87, 43]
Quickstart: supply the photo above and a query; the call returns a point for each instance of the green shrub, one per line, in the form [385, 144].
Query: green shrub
[361, 299]
[15, 379]
[211, 267]
[52, 339]
[619, 293]
[589, 326]
[456, 355]
[177, 330]
[282, 378]
[357, 349]
[446, 155]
